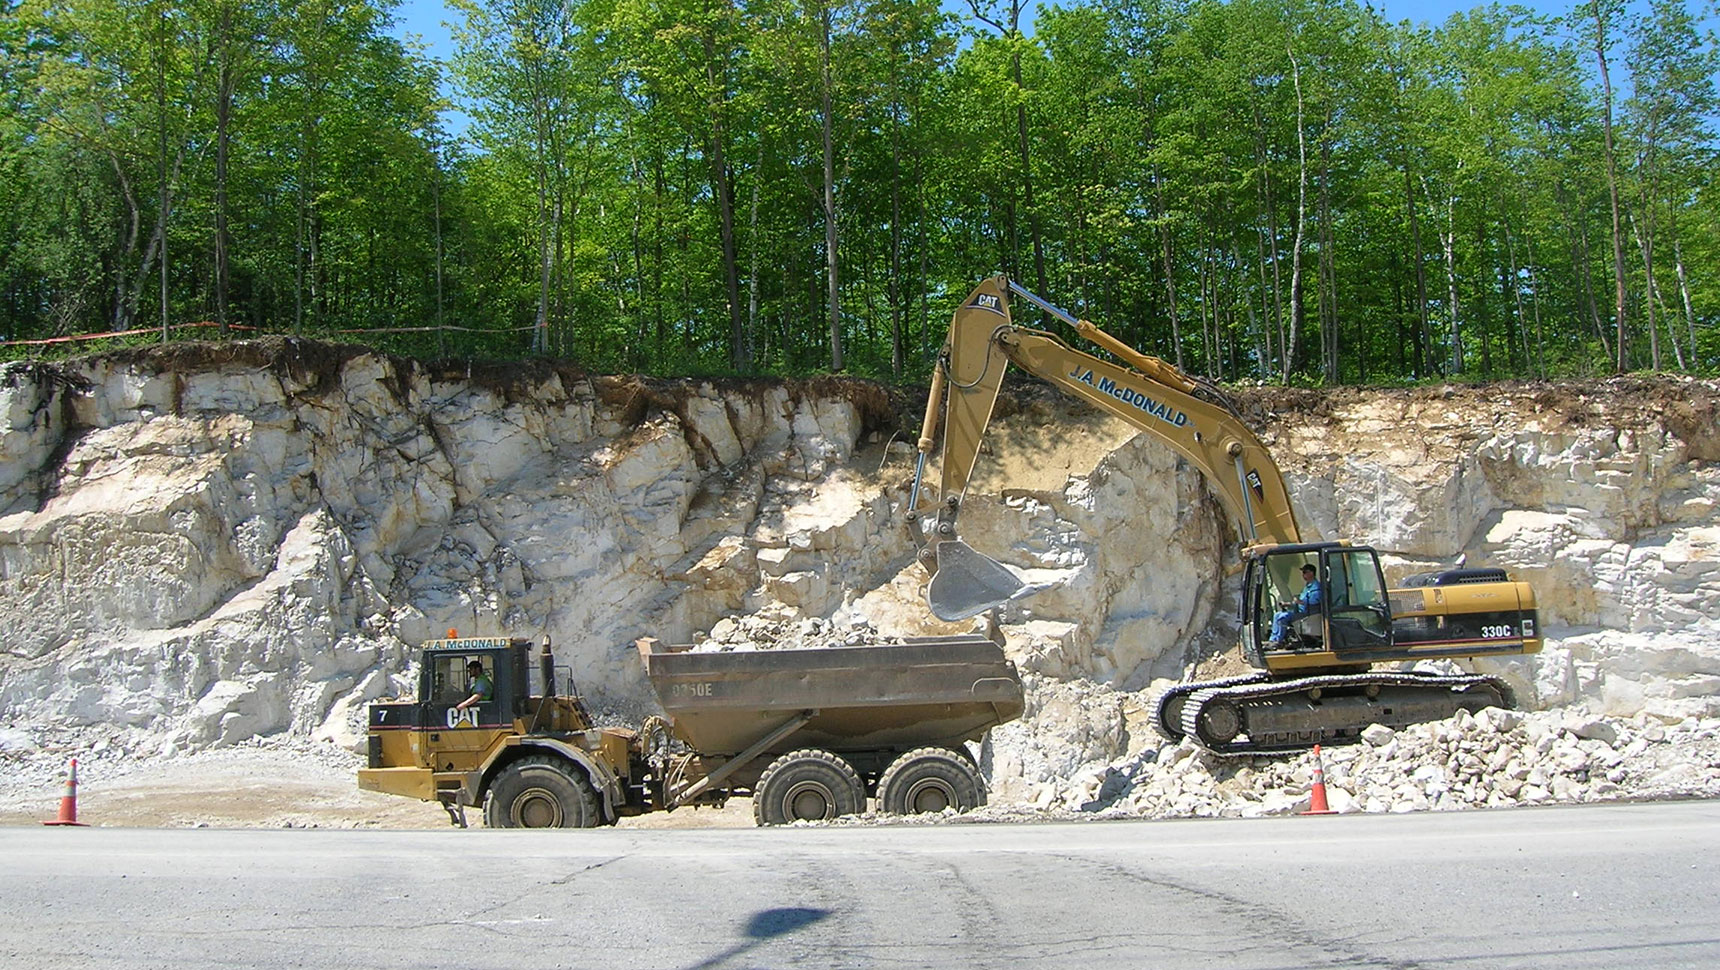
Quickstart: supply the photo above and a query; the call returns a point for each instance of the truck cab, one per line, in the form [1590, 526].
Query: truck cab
[429, 748]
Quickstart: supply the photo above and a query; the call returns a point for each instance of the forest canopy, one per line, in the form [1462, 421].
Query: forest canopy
[1287, 191]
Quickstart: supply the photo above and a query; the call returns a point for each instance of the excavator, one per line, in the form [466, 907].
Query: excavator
[1339, 669]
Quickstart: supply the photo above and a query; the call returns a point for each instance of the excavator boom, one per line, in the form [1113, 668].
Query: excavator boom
[1147, 393]
[1192, 417]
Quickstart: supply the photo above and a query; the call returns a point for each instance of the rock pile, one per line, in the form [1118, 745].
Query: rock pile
[777, 630]
[1491, 759]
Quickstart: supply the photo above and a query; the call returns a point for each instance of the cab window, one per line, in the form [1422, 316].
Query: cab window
[448, 680]
[1354, 578]
[1360, 616]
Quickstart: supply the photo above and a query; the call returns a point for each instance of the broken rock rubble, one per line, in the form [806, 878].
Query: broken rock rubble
[768, 631]
[1491, 759]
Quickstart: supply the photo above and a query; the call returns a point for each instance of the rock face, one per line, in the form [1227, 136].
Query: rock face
[1602, 496]
[246, 544]
[208, 545]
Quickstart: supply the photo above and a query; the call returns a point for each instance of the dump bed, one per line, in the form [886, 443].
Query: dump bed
[927, 691]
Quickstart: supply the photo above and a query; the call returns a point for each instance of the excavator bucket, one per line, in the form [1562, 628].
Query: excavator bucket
[968, 582]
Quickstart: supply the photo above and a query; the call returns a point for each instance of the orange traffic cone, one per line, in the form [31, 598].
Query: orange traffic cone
[69, 801]
[1317, 797]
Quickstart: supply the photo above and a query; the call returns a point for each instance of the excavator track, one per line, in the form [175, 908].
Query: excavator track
[1168, 710]
[1269, 716]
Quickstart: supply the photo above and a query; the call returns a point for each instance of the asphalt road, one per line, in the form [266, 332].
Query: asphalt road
[1606, 886]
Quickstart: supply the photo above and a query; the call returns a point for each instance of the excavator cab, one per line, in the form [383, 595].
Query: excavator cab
[1351, 624]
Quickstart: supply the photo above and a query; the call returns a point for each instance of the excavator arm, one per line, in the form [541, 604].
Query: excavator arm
[1191, 416]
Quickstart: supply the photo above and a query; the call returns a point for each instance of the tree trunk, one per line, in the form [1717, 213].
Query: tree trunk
[1516, 288]
[436, 202]
[1580, 266]
[722, 189]
[659, 325]
[893, 285]
[1540, 361]
[226, 81]
[161, 159]
[1328, 272]
[1623, 360]
[1683, 287]
[540, 323]
[1275, 304]
[125, 305]
[1481, 314]
[1448, 245]
[831, 239]
[1424, 366]
[1027, 173]
[754, 247]
[1010, 29]
[1296, 305]
[1645, 242]
[1170, 273]
[1653, 301]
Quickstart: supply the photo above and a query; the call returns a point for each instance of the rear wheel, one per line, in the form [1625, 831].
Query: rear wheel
[807, 785]
[541, 793]
[930, 780]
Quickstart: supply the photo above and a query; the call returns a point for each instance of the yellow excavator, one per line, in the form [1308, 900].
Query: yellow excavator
[1316, 683]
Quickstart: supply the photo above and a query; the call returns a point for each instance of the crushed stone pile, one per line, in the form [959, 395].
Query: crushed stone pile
[1492, 759]
[773, 631]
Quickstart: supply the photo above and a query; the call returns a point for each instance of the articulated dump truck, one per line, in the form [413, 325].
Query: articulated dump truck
[809, 733]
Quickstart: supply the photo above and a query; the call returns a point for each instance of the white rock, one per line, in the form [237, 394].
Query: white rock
[1595, 729]
[1378, 735]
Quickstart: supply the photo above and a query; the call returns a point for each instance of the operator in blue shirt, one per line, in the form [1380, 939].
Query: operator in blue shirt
[1307, 604]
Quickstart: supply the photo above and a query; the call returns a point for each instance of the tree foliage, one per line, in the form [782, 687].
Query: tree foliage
[1278, 190]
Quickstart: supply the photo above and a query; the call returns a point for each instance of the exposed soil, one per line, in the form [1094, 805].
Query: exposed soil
[271, 787]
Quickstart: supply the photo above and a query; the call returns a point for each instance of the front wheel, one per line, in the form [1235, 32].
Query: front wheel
[807, 785]
[541, 793]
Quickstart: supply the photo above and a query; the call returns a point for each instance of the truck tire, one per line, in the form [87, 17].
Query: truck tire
[930, 780]
[541, 792]
[807, 784]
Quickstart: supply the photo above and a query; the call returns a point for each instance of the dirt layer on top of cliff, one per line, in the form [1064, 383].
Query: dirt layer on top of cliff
[316, 365]
[638, 396]
[1685, 407]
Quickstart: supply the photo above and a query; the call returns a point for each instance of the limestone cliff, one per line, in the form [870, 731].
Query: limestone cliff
[207, 543]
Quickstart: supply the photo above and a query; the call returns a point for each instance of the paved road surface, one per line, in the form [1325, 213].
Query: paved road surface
[1608, 886]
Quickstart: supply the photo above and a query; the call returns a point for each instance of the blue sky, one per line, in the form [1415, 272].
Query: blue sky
[425, 17]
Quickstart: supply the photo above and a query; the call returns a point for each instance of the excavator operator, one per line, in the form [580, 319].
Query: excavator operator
[1307, 603]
